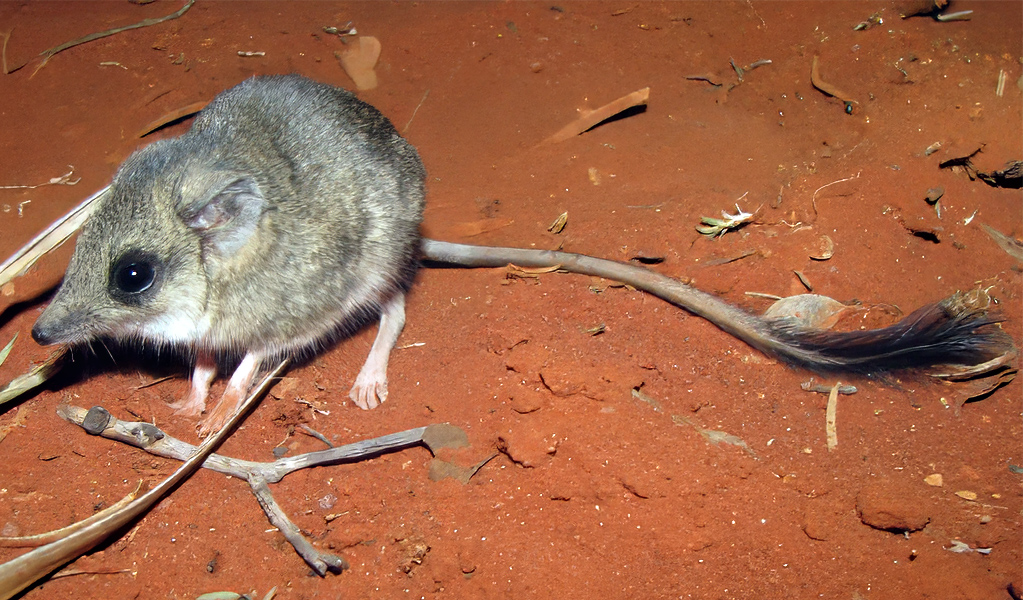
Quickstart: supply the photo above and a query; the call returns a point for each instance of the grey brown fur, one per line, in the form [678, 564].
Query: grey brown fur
[289, 211]
[334, 197]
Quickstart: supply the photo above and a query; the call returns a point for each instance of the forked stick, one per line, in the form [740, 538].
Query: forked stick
[21, 572]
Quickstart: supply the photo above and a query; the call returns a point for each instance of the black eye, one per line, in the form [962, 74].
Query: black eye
[133, 273]
[135, 277]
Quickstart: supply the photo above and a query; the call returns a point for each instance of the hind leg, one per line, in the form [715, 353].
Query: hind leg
[370, 387]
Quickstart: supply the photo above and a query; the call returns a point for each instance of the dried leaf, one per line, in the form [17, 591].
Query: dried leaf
[963, 373]
[812, 311]
[1012, 247]
[34, 378]
[474, 228]
[831, 417]
[559, 224]
[590, 118]
[7, 349]
[827, 249]
[716, 227]
[52, 237]
[360, 61]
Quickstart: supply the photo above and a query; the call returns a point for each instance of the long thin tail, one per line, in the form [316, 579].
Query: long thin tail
[957, 330]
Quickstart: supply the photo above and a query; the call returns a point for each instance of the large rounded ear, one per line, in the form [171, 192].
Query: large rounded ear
[225, 214]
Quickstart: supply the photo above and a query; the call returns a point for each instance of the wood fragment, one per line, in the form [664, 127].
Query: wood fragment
[34, 378]
[803, 280]
[590, 118]
[716, 262]
[830, 417]
[168, 118]
[810, 386]
[23, 571]
[3, 52]
[34, 541]
[532, 271]
[50, 53]
[827, 88]
[260, 474]
[49, 239]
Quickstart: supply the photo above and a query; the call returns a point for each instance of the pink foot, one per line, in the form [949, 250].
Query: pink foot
[370, 387]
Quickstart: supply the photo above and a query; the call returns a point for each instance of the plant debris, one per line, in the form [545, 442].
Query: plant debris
[41, 539]
[715, 437]
[831, 417]
[810, 386]
[21, 572]
[1012, 246]
[589, 119]
[173, 116]
[1009, 176]
[64, 179]
[811, 311]
[827, 88]
[259, 474]
[717, 227]
[34, 378]
[803, 279]
[50, 53]
[962, 547]
[963, 15]
[7, 349]
[559, 224]
[341, 32]
[827, 249]
[360, 61]
[871, 21]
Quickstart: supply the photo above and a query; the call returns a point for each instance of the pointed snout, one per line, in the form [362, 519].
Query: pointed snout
[57, 326]
[42, 334]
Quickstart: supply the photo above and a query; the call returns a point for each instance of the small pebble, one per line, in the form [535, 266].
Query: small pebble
[934, 194]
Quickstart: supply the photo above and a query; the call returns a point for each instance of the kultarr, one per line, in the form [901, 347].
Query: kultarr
[289, 215]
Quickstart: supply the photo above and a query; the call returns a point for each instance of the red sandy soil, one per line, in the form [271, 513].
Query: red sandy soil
[594, 492]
